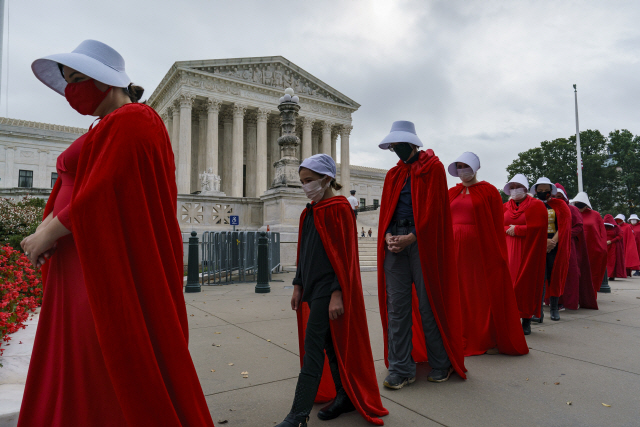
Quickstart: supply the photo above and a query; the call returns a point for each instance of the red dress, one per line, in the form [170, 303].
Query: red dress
[67, 383]
[631, 259]
[636, 234]
[615, 251]
[490, 315]
[596, 240]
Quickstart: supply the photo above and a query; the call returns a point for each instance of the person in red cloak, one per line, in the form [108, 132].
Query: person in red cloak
[632, 261]
[111, 347]
[525, 226]
[595, 239]
[558, 243]
[615, 249]
[490, 314]
[418, 289]
[330, 308]
[634, 222]
[578, 288]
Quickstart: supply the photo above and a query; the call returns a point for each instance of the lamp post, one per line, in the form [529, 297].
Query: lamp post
[580, 188]
[287, 167]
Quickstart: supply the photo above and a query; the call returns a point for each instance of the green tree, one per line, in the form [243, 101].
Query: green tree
[625, 149]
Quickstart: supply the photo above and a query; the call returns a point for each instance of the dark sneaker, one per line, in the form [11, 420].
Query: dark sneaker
[396, 382]
[440, 375]
[637, 273]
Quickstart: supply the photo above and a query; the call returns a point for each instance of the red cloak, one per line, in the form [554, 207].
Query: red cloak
[615, 251]
[432, 216]
[492, 260]
[596, 242]
[527, 252]
[631, 260]
[561, 265]
[336, 226]
[124, 222]
[47, 210]
[578, 290]
[636, 234]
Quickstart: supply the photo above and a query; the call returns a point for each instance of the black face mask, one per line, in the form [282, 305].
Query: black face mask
[543, 195]
[580, 205]
[403, 150]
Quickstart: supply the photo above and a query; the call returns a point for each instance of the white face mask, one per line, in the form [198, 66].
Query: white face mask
[466, 174]
[633, 221]
[315, 190]
[518, 193]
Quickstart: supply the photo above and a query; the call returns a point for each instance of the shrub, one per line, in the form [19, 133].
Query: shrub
[18, 219]
[20, 291]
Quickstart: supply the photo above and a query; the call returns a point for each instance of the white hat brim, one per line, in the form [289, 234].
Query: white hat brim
[400, 136]
[554, 189]
[582, 198]
[47, 71]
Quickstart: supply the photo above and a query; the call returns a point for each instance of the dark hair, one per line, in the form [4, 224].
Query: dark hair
[134, 92]
[580, 205]
[335, 184]
[352, 191]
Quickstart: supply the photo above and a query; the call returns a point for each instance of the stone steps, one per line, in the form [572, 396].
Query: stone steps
[367, 250]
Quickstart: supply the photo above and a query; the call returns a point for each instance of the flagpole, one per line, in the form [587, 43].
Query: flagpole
[580, 188]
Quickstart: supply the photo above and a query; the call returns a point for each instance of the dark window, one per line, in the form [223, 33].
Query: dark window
[244, 180]
[363, 203]
[25, 179]
[54, 177]
[376, 203]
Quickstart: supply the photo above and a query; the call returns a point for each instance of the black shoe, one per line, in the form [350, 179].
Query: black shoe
[526, 326]
[637, 273]
[340, 405]
[306, 391]
[555, 313]
[440, 375]
[612, 278]
[536, 318]
[396, 382]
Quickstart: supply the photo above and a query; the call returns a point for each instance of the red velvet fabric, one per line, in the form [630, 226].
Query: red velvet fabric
[431, 213]
[123, 215]
[578, 290]
[631, 260]
[596, 243]
[615, 251]
[489, 310]
[561, 265]
[336, 225]
[527, 252]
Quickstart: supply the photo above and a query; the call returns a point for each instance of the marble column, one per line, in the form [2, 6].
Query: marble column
[237, 150]
[325, 148]
[10, 153]
[274, 134]
[252, 148]
[42, 181]
[315, 144]
[175, 133]
[345, 168]
[184, 144]
[261, 153]
[202, 143]
[306, 150]
[168, 122]
[213, 109]
[334, 145]
[225, 157]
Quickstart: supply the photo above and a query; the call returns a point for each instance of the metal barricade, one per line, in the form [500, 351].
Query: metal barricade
[232, 256]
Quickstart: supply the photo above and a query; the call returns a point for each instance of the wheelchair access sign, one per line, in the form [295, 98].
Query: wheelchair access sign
[234, 220]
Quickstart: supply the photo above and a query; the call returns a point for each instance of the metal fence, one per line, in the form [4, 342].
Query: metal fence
[232, 256]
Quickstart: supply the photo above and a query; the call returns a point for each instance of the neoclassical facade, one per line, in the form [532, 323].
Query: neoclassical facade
[222, 117]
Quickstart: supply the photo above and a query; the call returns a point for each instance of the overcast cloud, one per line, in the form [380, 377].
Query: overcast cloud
[494, 78]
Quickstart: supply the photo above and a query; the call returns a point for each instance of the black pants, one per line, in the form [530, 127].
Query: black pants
[318, 338]
[551, 259]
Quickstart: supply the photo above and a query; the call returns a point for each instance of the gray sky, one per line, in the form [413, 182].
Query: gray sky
[490, 77]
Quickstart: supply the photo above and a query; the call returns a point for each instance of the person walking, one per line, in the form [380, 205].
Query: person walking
[328, 299]
[363, 233]
[615, 249]
[415, 249]
[632, 260]
[525, 226]
[634, 222]
[490, 314]
[111, 347]
[355, 204]
[595, 239]
[370, 232]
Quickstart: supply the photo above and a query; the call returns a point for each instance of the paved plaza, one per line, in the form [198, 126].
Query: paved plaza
[575, 366]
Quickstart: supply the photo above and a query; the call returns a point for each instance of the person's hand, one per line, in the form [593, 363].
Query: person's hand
[608, 242]
[46, 255]
[401, 242]
[35, 245]
[512, 231]
[336, 308]
[296, 297]
[550, 245]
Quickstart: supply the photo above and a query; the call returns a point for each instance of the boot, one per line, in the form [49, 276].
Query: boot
[555, 313]
[341, 404]
[534, 318]
[526, 326]
[306, 391]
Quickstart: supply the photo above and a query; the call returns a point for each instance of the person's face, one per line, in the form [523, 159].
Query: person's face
[460, 165]
[514, 185]
[543, 187]
[618, 221]
[633, 221]
[73, 76]
[307, 176]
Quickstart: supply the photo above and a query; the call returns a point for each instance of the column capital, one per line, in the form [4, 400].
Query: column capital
[226, 115]
[202, 113]
[326, 126]
[186, 99]
[169, 111]
[250, 117]
[345, 131]
[213, 105]
[165, 116]
[275, 121]
[263, 114]
[239, 110]
[307, 122]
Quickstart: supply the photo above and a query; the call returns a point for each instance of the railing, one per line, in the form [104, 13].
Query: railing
[232, 256]
[368, 208]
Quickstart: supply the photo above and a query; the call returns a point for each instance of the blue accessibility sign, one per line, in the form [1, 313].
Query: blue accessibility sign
[234, 219]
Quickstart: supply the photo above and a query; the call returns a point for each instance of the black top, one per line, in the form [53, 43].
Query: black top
[404, 208]
[314, 273]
